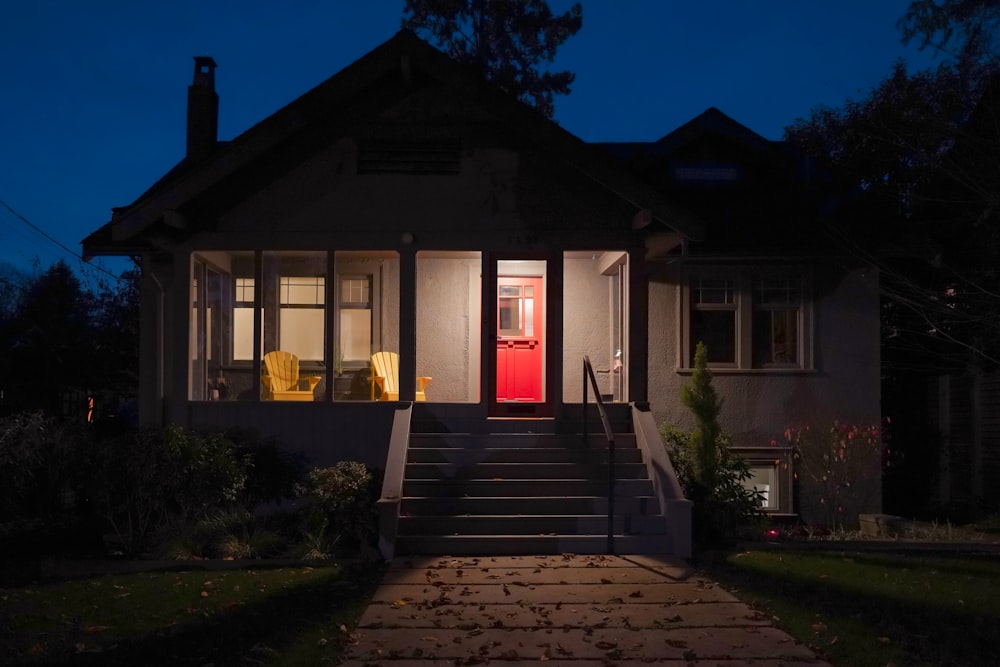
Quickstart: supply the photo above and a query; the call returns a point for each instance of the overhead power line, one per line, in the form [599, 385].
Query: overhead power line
[54, 241]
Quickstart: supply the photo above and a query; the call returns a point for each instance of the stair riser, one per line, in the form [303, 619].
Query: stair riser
[558, 544]
[530, 525]
[531, 505]
[516, 488]
[547, 455]
[520, 441]
[526, 471]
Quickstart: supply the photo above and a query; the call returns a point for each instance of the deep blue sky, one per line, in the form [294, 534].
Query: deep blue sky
[93, 92]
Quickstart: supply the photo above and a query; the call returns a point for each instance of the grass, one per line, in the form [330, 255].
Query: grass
[281, 616]
[873, 609]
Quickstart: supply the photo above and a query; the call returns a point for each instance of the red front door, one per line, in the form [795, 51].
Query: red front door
[519, 339]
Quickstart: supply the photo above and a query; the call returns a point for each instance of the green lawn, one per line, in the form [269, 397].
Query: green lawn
[874, 609]
[281, 616]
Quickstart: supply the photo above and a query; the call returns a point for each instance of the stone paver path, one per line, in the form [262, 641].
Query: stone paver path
[562, 610]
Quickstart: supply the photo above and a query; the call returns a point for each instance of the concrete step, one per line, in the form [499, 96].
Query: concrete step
[518, 440]
[478, 488]
[636, 505]
[500, 545]
[494, 524]
[525, 471]
[461, 456]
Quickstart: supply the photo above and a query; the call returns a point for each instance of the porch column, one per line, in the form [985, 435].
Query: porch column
[638, 326]
[156, 276]
[407, 324]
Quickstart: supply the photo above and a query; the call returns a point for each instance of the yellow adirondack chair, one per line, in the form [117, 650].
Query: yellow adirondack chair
[282, 381]
[385, 374]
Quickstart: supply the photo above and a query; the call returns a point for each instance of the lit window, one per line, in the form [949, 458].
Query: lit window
[243, 320]
[355, 342]
[763, 481]
[302, 316]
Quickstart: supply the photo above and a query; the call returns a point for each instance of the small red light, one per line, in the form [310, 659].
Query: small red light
[773, 533]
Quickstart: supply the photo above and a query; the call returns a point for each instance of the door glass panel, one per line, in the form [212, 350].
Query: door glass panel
[529, 317]
[510, 321]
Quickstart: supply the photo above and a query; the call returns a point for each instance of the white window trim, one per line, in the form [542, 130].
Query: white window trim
[778, 458]
[744, 277]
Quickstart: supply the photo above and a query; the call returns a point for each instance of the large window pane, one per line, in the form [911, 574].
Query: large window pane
[366, 321]
[717, 329]
[777, 304]
[293, 315]
[221, 325]
[714, 319]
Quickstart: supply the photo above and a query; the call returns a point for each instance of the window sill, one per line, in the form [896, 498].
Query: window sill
[723, 370]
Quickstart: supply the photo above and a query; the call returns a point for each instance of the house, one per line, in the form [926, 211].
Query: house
[406, 205]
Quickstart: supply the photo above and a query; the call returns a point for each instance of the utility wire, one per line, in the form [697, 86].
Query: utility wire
[60, 245]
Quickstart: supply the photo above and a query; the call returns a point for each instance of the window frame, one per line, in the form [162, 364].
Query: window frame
[373, 305]
[778, 458]
[746, 279]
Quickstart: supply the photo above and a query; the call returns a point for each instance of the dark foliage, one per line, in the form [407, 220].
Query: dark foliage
[510, 39]
[61, 343]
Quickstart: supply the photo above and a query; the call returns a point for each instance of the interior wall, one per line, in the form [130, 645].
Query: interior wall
[448, 327]
[586, 324]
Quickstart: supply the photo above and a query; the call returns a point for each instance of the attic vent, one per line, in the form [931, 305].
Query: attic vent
[706, 173]
[409, 157]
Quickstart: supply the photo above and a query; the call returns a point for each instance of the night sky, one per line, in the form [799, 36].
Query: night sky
[93, 93]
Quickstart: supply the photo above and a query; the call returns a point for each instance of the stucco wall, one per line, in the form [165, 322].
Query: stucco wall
[329, 196]
[759, 405]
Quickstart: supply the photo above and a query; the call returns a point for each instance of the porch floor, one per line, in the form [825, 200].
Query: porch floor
[562, 609]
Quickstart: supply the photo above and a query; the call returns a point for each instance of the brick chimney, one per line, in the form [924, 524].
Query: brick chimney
[202, 110]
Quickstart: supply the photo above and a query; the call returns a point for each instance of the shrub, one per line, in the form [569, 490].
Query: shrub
[40, 467]
[340, 506]
[711, 475]
[271, 472]
[153, 481]
[721, 513]
[839, 471]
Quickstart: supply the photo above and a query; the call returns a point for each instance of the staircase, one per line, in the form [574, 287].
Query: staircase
[525, 493]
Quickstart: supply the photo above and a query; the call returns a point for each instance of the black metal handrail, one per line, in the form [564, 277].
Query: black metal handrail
[589, 379]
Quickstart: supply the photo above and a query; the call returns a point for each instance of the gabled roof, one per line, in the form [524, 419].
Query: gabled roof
[710, 121]
[394, 69]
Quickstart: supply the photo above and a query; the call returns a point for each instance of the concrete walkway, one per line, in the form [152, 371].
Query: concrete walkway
[562, 610]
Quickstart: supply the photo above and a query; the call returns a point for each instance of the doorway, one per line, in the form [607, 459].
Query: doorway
[521, 341]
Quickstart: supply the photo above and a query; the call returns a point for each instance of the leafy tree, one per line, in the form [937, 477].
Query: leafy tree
[57, 335]
[509, 39]
[920, 152]
[115, 322]
[967, 31]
